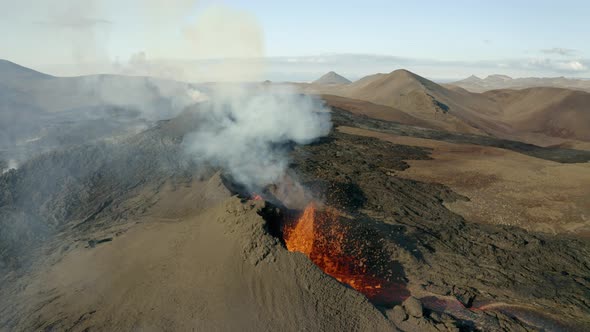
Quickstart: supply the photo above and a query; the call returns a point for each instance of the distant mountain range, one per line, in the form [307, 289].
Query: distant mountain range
[494, 82]
[35, 107]
[538, 115]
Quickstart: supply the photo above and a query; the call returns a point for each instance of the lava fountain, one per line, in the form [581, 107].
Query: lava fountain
[256, 197]
[332, 246]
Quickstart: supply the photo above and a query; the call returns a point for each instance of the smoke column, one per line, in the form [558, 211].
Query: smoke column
[247, 125]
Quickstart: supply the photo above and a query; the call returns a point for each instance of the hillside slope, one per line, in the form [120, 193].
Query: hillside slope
[375, 111]
[550, 111]
[452, 110]
[39, 111]
[542, 116]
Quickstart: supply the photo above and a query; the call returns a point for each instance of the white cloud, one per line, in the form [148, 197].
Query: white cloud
[557, 66]
[572, 65]
[560, 51]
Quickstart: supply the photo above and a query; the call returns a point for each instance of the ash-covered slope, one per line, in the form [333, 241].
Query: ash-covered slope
[551, 111]
[215, 270]
[14, 73]
[68, 188]
[39, 112]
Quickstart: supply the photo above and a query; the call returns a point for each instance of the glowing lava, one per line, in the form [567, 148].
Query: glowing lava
[321, 237]
[301, 237]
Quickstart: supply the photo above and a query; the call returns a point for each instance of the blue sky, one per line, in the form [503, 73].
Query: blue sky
[446, 30]
[438, 39]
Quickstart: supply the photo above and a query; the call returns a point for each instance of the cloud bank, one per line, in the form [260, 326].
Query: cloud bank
[560, 51]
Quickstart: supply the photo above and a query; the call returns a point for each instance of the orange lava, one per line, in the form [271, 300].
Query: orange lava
[320, 236]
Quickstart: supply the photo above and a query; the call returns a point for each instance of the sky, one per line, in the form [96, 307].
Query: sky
[299, 39]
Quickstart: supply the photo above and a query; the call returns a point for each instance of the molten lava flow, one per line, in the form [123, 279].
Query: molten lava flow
[300, 238]
[321, 237]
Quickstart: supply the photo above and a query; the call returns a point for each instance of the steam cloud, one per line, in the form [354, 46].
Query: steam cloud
[247, 126]
[246, 130]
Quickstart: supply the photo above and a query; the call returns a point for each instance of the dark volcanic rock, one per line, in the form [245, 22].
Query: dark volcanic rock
[342, 117]
[441, 253]
[93, 243]
[71, 188]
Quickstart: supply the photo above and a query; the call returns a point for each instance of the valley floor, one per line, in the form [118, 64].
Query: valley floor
[503, 187]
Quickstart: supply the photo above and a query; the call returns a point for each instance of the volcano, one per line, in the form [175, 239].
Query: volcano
[388, 222]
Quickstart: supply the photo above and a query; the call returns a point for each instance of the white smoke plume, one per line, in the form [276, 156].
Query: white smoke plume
[247, 123]
[247, 129]
[12, 164]
[247, 126]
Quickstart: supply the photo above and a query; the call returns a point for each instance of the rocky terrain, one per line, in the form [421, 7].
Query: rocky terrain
[142, 231]
[127, 232]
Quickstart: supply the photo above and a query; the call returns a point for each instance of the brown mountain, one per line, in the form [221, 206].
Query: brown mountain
[332, 78]
[543, 116]
[450, 109]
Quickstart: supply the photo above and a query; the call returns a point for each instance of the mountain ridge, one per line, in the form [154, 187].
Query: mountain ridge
[497, 81]
[456, 109]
